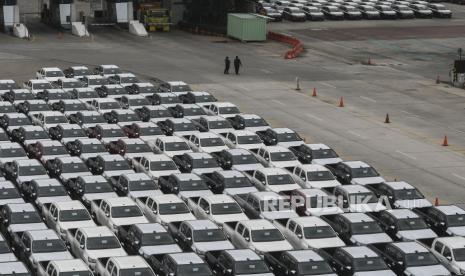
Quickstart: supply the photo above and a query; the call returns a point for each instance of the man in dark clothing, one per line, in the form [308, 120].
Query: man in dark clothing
[227, 63]
[237, 65]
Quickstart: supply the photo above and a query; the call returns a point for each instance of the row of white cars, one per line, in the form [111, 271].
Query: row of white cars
[198, 188]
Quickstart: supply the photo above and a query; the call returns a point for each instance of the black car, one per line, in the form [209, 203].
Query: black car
[18, 95]
[146, 113]
[369, 12]
[386, 12]
[297, 262]
[32, 106]
[445, 220]
[332, 13]
[293, 14]
[350, 12]
[403, 11]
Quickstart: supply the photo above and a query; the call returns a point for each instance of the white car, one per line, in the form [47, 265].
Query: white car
[243, 139]
[68, 85]
[94, 81]
[206, 142]
[274, 179]
[277, 156]
[357, 198]
[50, 74]
[315, 202]
[107, 70]
[170, 145]
[217, 208]
[63, 267]
[36, 86]
[451, 253]
[165, 209]
[314, 176]
[311, 232]
[9, 193]
[215, 124]
[223, 109]
[124, 79]
[48, 119]
[250, 122]
[156, 165]
[6, 255]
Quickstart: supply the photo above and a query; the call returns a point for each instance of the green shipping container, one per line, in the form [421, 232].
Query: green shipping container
[246, 27]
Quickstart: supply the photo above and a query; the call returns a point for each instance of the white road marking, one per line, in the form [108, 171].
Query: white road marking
[458, 176]
[328, 84]
[356, 134]
[266, 71]
[278, 102]
[368, 99]
[408, 113]
[406, 155]
[314, 117]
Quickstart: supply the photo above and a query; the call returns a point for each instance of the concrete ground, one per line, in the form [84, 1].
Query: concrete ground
[407, 57]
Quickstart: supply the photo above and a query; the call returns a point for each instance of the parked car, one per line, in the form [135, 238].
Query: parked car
[237, 262]
[421, 11]
[293, 14]
[440, 11]
[403, 11]
[369, 12]
[332, 12]
[298, 262]
[356, 172]
[350, 12]
[313, 13]
[445, 220]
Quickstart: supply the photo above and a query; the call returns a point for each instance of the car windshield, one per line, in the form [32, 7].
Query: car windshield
[47, 246]
[72, 84]
[420, 259]
[314, 268]
[205, 163]
[408, 194]
[18, 121]
[125, 212]
[288, 137]
[282, 156]
[193, 270]
[81, 72]
[112, 133]
[176, 146]
[4, 248]
[319, 176]
[267, 235]
[93, 148]
[256, 122]
[74, 215]
[138, 102]
[117, 165]
[324, 153]
[250, 267]
[147, 131]
[74, 107]
[184, 127]
[411, 224]
[195, 111]
[42, 86]
[74, 167]
[93, 119]
[364, 172]
[86, 94]
[248, 139]
[136, 148]
[31, 170]
[362, 198]
[169, 100]
[211, 142]
[19, 152]
[142, 185]
[110, 71]
[143, 271]
[369, 8]
[369, 264]
[55, 120]
[237, 182]
[350, 9]
[209, 235]
[456, 220]
[129, 80]
[8, 86]
[68, 133]
[163, 166]
[459, 254]
[244, 159]
[101, 187]
[51, 191]
[180, 88]
[7, 193]
[173, 208]
[25, 217]
[280, 179]
[229, 110]
[226, 209]
[116, 91]
[39, 107]
[319, 232]
[151, 239]
[109, 105]
[366, 227]
[97, 81]
[54, 150]
[99, 243]
[54, 74]
[192, 185]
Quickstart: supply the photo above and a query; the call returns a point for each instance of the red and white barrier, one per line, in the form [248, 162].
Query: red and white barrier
[297, 46]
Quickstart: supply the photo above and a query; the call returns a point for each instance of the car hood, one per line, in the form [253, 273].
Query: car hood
[177, 217]
[456, 231]
[364, 208]
[375, 273]
[249, 146]
[157, 174]
[261, 128]
[202, 247]
[323, 211]
[366, 239]
[323, 184]
[272, 246]
[40, 257]
[367, 180]
[21, 179]
[412, 235]
[109, 174]
[106, 253]
[284, 187]
[85, 156]
[178, 152]
[325, 243]
[227, 218]
[94, 196]
[26, 227]
[189, 194]
[129, 221]
[437, 270]
[159, 249]
[7, 257]
[206, 170]
[247, 167]
[76, 224]
[293, 143]
[11, 200]
[278, 215]
[285, 164]
[43, 200]
[148, 193]
[68, 176]
[238, 191]
[410, 204]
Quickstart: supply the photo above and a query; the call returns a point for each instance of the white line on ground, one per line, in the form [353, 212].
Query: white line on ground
[278, 102]
[356, 134]
[328, 84]
[459, 176]
[408, 113]
[368, 99]
[314, 117]
[266, 71]
[406, 155]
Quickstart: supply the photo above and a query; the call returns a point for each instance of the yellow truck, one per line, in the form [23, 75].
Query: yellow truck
[155, 18]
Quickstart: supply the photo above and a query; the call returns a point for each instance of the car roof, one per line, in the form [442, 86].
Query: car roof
[134, 96]
[14, 268]
[219, 198]
[111, 86]
[186, 176]
[310, 221]
[21, 207]
[94, 77]
[51, 143]
[200, 93]
[359, 251]
[201, 224]
[150, 228]
[47, 182]
[206, 135]
[70, 159]
[272, 149]
[69, 126]
[125, 262]
[6, 184]
[250, 116]
[267, 195]
[157, 157]
[166, 95]
[312, 192]
[166, 198]
[136, 176]
[230, 174]
[144, 84]
[224, 104]
[97, 231]
[108, 66]
[125, 75]
[38, 81]
[28, 162]
[304, 255]
[55, 91]
[199, 155]
[450, 210]
[44, 234]
[112, 157]
[109, 126]
[410, 247]
[356, 164]
[313, 168]
[10, 145]
[69, 205]
[185, 258]
[283, 130]
[132, 141]
[93, 178]
[180, 120]
[453, 242]
[399, 185]
[353, 189]
[69, 80]
[213, 118]
[402, 213]
[238, 151]
[357, 217]
[70, 265]
[257, 224]
[89, 141]
[105, 100]
[242, 255]
[243, 133]
[176, 83]
[120, 201]
[51, 69]
[171, 139]
[273, 171]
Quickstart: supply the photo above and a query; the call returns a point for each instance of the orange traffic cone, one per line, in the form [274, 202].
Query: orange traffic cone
[341, 102]
[369, 61]
[387, 121]
[438, 80]
[445, 143]
[436, 201]
[314, 92]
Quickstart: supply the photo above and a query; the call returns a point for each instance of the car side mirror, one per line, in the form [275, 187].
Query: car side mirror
[299, 236]
[449, 258]
[28, 249]
[107, 214]
[247, 238]
[188, 239]
[155, 211]
[400, 263]
[81, 246]
[348, 267]
[393, 227]
[55, 218]
[207, 211]
[293, 272]
[442, 223]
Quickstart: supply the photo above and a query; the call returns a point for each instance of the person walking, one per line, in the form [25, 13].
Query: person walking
[227, 64]
[237, 65]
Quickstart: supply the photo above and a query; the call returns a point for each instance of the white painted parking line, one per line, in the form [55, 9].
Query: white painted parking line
[328, 84]
[314, 117]
[368, 99]
[406, 155]
[356, 134]
[278, 102]
[459, 176]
